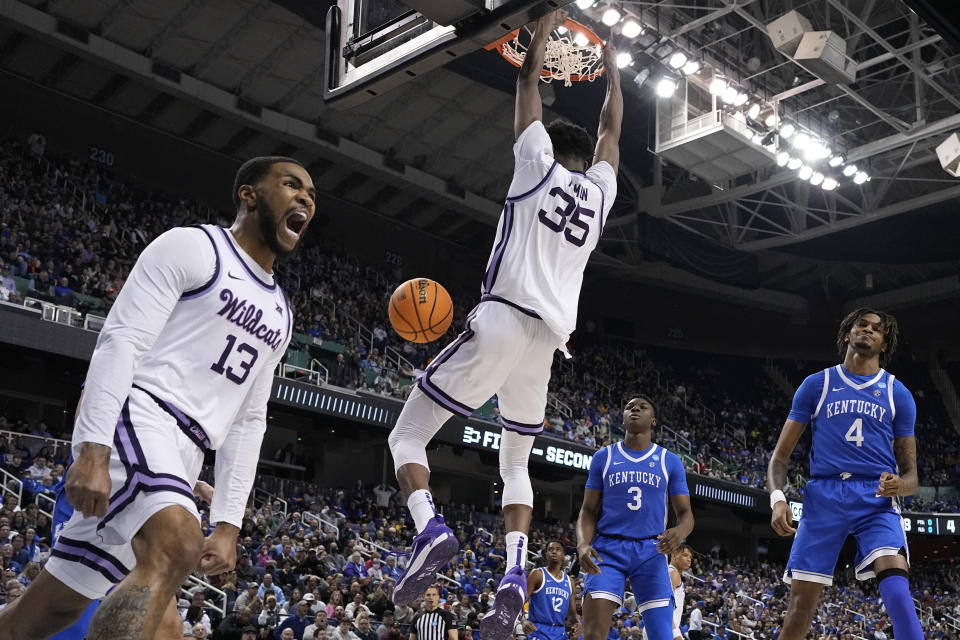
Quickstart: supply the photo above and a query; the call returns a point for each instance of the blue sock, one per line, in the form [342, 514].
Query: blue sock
[895, 591]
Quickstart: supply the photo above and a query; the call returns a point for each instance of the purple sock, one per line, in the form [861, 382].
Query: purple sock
[895, 590]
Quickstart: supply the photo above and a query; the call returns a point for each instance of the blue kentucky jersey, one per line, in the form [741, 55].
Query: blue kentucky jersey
[62, 510]
[549, 603]
[854, 420]
[636, 486]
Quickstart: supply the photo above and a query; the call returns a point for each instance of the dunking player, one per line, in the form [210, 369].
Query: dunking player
[620, 531]
[552, 220]
[863, 457]
[184, 364]
[552, 614]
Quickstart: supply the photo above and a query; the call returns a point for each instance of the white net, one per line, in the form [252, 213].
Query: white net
[570, 57]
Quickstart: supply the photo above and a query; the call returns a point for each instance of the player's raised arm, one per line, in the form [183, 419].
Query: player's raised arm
[611, 116]
[529, 105]
[782, 518]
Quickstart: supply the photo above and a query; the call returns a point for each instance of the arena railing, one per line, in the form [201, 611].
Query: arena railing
[56, 443]
[44, 498]
[12, 485]
[272, 498]
[321, 522]
[206, 586]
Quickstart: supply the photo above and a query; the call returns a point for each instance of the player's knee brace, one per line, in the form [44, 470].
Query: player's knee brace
[895, 590]
[514, 458]
[419, 421]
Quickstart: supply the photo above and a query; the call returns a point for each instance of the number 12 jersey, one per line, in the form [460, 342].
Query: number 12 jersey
[551, 222]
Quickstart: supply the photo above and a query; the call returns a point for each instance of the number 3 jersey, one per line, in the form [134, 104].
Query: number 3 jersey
[551, 222]
[201, 326]
[853, 420]
[636, 487]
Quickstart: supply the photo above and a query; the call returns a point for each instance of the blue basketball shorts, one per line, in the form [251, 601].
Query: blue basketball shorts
[834, 509]
[637, 560]
[549, 631]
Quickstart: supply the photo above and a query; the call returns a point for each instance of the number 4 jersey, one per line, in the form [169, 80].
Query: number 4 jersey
[551, 222]
[854, 420]
[203, 327]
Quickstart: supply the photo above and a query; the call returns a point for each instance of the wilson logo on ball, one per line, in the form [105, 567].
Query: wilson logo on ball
[420, 310]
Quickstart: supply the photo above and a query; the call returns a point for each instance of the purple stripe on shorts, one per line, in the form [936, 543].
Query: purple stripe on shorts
[443, 399]
[494, 269]
[190, 427]
[128, 455]
[86, 561]
[127, 433]
[489, 297]
[97, 558]
[199, 291]
[520, 427]
[431, 390]
[141, 482]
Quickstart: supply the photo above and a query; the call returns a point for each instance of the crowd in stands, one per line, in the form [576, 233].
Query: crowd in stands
[59, 235]
[325, 569]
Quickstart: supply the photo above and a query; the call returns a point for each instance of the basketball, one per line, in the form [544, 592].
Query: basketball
[420, 310]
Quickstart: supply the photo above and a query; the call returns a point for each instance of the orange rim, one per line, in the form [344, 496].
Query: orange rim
[571, 25]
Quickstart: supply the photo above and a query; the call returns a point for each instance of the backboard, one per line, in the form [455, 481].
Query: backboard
[376, 45]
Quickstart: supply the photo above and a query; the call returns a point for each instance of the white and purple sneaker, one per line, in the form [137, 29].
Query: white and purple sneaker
[500, 621]
[432, 548]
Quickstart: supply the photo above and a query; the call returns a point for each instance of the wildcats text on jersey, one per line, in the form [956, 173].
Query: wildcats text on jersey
[248, 317]
[633, 477]
[862, 407]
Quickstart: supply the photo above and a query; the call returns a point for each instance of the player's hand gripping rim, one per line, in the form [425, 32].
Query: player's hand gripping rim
[87, 486]
[889, 486]
[589, 559]
[669, 541]
[782, 519]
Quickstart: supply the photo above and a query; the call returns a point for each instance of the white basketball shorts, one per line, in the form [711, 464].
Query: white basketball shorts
[156, 460]
[505, 351]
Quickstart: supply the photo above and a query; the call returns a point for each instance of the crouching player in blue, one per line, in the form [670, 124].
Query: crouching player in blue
[552, 614]
[863, 457]
[621, 531]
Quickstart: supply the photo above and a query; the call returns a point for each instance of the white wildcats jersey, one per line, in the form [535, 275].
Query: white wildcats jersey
[679, 594]
[550, 224]
[219, 338]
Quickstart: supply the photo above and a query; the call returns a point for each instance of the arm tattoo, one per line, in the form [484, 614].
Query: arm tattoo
[906, 455]
[776, 474]
[122, 614]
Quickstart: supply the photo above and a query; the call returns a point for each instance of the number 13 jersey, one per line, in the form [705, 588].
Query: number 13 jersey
[854, 420]
[551, 222]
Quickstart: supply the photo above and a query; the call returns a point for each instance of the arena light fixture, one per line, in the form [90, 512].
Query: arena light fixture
[783, 158]
[801, 141]
[817, 179]
[729, 94]
[666, 86]
[677, 60]
[769, 139]
[816, 150]
[849, 170]
[741, 99]
[610, 17]
[806, 172]
[692, 66]
[718, 85]
[581, 39]
[753, 111]
[585, 4]
[861, 177]
[624, 59]
[631, 29]
[829, 184]
[794, 163]
[836, 160]
[770, 119]
[787, 130]
[647, 39]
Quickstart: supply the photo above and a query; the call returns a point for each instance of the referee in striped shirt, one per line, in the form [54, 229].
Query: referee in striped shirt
[433, 623]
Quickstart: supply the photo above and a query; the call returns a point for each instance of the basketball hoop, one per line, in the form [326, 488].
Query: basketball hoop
[574, 56]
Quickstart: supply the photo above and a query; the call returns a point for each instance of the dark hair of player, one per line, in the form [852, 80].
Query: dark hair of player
[653, 405]
[254, 169]
[569, 139]
[553, 541]
[683, 549]
[891, 332]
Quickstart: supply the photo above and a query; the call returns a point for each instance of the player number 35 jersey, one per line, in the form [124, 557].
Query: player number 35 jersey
[551, 222]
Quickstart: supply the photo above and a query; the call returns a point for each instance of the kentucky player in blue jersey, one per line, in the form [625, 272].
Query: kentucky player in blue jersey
[863, 457]
[550, 591]
[621, 531]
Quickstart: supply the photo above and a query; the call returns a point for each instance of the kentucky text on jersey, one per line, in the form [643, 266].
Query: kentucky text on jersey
[555, 591]
[248, 317]
[633, 477]
[862, 407]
